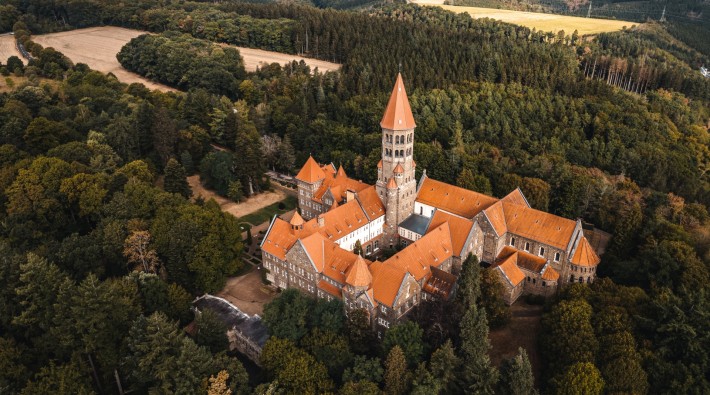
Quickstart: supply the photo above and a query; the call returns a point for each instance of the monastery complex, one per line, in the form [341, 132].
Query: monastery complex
[437, 225]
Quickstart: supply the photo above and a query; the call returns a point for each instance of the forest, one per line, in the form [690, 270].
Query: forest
[103, 250]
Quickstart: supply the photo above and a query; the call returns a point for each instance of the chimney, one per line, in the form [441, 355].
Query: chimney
[321, 221]
[349, 196]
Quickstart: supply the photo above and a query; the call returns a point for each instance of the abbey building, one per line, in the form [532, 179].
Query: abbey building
[437, 225]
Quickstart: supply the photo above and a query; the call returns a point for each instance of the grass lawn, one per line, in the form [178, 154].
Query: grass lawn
[265, 214]
[544, 22]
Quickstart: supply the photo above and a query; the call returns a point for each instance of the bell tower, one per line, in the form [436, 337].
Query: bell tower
[396, 184]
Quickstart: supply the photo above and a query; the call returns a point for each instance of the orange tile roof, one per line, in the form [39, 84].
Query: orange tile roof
[343, 220]
[310, 172]
[379, 164]
[297, 220]
[315, 246]
[398, 169]
[279, 239]
[550, 274]
[453, 199]
[341, 172]
[523, 259]
[371, 203]
[510, 270]
[398, 114]
[386, 282]
[429, 251]
[392, 184]
[496, 217]
[338, 187]
[330, 288]
[516, 197]
[538, 225]
[584, 255]
[359, 274]
[460, 228]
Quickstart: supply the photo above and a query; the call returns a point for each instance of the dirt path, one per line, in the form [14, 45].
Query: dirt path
[248, 292]
[7, 48]
[522, 331]
[249, 206]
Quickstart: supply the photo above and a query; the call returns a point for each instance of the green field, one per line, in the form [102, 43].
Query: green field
[265, 214]
[544, 22]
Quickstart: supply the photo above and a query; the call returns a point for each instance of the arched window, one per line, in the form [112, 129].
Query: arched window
[533, 281]
[581, 279]
[396, 139]
[401, 153]
[571, 278]
[589, 280]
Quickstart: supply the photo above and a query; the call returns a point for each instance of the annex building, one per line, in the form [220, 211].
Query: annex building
[437, 225]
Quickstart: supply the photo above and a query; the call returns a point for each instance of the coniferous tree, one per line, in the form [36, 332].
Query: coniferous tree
[516, 376]
[176, 179]
[211, 331]
[444, 364]
[397, 377]
[478, 374]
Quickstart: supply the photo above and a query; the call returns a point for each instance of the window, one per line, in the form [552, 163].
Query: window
[557, 257]
[533, 281]
[571, 278]
[544, 284]
[528, 278]
[542, 251]
[512, 241]
[527, 247]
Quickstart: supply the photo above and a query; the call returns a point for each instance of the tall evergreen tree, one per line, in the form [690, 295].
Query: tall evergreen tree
[478, 374]
[397, 377]
[444, 364]
[516, 376]
[176, 179]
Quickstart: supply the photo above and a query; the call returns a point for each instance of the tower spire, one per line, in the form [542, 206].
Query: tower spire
[398, 115]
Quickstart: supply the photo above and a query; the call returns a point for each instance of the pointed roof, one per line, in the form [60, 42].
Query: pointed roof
[398, 115]
[359, 275]
[585, 255]
[379, 164]
[310, 172]
[516, 197]
[391, 184]
[550, 274]
[341, 172]
[297, 220]
[399, 169]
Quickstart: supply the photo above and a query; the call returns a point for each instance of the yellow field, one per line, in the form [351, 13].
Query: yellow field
[7, 48]
[98, 46]
[544, 22]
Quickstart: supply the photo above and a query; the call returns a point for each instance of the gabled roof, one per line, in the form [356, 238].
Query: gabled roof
[343, 220]
[338, 185]
[315, 247]
[509, 269]
[392, 184]
[371, 203]
[310, 172]
[523, 259]
[386, 282]
[496, 217]
[460, 228]
[341, 172]
[516, 197]
[398, 169]
[359, 274]
[430, 251]
[453, 199]
[538, 225]
[584, 255]
[398, 114]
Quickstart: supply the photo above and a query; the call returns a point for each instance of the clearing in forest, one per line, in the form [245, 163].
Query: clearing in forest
[7, 48]
[98, 46]
[544, 22]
